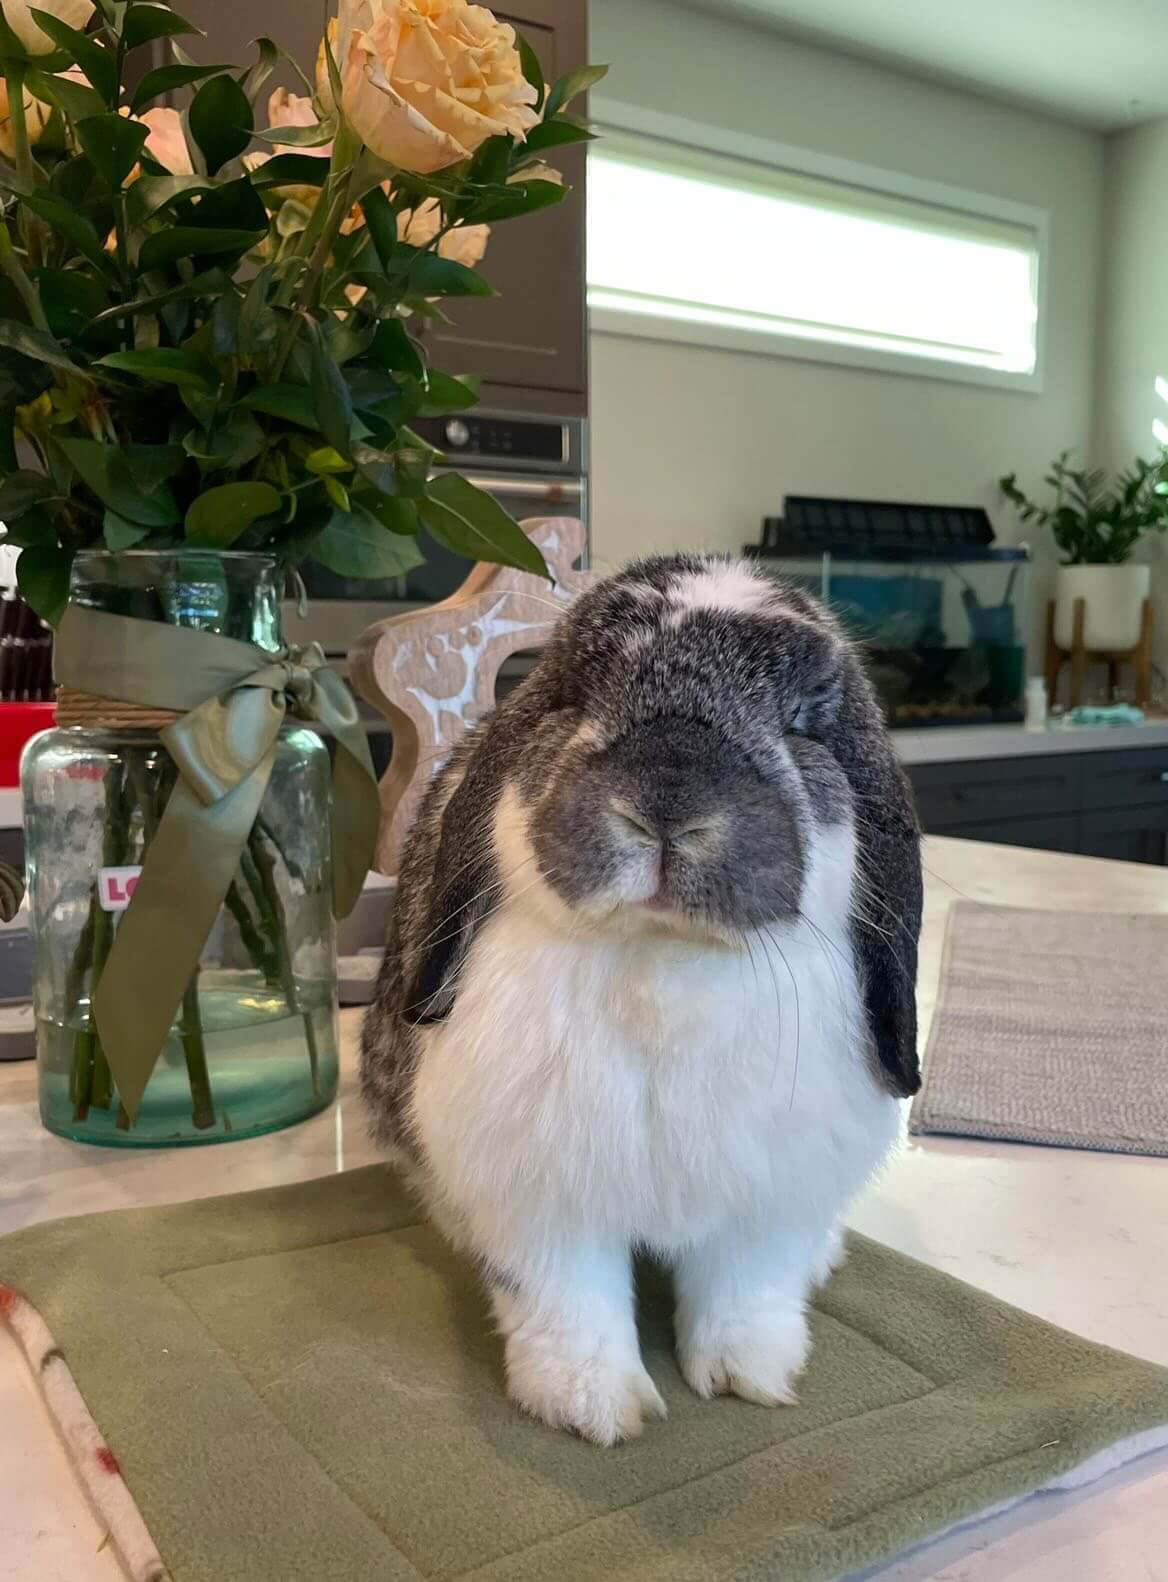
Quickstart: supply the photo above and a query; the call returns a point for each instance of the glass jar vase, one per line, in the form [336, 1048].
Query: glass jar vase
[254, 1045]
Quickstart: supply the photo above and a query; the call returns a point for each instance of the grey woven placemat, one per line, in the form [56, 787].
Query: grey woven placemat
[1051, 1027]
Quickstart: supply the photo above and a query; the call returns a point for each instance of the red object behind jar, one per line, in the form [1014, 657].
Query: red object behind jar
[19, 723]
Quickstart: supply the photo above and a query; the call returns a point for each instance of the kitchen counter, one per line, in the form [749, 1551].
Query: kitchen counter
[1079, 1238]
[960, 743]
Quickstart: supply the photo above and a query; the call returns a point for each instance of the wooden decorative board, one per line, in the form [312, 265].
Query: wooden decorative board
[432, 672]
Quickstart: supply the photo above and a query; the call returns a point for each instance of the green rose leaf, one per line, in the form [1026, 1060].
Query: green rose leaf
[555, 134]
[152, 465]
[430, 275]
[217, 518]
[394, 513]
[491, 163]
[393, 348]
[21, 380]
[569, 86]
[20, 490]
[444, 393]
[74, 98]
[106, 470]
[162, 365]
[72, 302]
[326, 460]
[35, 344]
[292, 170]
[382, 224]
[519, 197]
[221, 121]
[120, 534]
[292, 403]
[355, 544]
[113, 144]
[532, 70]
[151, 194]
[74, 227]
[472, 523]
[330, 395]
[99, 64]
[144, 23]
[297, 136]
[42, 579]
[230, 445]
[165, 79]
[190, 241]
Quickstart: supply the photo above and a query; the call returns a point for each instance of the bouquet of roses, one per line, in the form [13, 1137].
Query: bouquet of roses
[210, 312]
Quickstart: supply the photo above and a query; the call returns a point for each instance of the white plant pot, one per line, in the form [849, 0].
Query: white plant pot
[1115, 605]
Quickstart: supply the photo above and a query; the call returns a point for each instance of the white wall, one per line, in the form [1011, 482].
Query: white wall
[692, 447]
[1133, 318]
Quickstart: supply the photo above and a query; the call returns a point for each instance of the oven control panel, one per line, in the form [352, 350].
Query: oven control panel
[526, 441]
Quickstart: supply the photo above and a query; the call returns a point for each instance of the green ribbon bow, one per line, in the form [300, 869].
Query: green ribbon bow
[233, 698]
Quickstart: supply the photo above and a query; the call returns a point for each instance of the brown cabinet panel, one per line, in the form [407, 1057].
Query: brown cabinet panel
[532, 335]
[232, 26]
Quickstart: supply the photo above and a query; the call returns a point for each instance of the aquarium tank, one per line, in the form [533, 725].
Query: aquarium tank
[937, 606]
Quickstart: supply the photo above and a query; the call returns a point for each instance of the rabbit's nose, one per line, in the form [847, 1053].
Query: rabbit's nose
[636, 826]
[633, 827]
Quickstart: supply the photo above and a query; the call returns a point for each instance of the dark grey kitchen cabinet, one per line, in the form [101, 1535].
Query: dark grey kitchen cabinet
[1098, 803]
[1129, 835]
[1050, 832]
[528, 344]
[995, 789]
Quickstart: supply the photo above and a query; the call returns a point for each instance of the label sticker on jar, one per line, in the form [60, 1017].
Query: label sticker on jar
[115, 886]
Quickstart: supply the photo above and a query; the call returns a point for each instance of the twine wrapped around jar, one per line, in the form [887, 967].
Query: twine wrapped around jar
[91, 710]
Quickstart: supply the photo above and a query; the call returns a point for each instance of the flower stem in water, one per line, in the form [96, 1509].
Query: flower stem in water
[276, 927]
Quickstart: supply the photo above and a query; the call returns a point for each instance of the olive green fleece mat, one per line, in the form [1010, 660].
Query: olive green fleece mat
[302, 1385]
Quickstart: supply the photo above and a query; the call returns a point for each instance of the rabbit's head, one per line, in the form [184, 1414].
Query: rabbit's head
[687, 767]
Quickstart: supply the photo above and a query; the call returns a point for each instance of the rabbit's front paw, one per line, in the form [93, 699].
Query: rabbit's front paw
[602, 1395]
[757, 1359]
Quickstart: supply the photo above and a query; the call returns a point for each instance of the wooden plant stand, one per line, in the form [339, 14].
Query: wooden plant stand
[1139, 657]
[432, 672]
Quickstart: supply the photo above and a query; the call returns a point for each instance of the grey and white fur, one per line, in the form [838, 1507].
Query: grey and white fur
[649, 985]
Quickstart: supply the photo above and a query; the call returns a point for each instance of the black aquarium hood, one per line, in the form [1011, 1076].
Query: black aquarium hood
[880, 530]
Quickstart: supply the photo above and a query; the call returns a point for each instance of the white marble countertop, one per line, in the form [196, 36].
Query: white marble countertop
[1079, 1238]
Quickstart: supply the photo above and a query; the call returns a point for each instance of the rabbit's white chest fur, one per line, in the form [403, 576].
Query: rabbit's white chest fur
[652, 1089]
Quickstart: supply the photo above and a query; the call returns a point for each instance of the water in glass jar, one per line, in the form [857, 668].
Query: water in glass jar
[258, 1060]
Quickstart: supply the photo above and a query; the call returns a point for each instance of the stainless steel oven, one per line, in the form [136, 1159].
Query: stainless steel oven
[534, 465]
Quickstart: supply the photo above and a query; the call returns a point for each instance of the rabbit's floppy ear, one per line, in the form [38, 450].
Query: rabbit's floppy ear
[884, 937]
[463, 887]
[887, 892]
[454, 865]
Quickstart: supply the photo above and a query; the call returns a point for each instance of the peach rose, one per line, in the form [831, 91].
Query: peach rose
[425, 82]
[18, 15]
[36, 116]
[295, 109]
[466, 244]
[166, 141]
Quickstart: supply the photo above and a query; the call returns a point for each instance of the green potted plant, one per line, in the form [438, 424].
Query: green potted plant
[1097, 522]
[210, 365]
